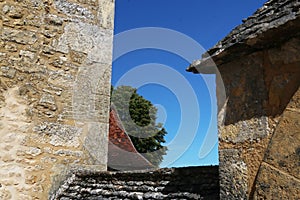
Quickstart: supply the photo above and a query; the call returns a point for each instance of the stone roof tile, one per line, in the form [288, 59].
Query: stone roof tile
[267, 27]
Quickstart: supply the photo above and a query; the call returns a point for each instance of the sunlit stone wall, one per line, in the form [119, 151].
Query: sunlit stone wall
[55, 68]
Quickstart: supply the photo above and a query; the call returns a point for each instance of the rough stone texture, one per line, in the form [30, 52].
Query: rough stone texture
[271, 15]
[175, 183]
[275, 184]
[259, 64]
[246, 130]
[91, 40]
[14, 168]
[268, 27]
[58, 134]
[254, 108]
[284, 148]
[55, 68]
[279, 175]
[73, 9]
[233, 164]
[96, 144]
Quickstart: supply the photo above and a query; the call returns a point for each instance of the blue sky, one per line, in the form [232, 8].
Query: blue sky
[206, 22]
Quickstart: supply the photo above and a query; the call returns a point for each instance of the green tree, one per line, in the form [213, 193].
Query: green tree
[138, 116]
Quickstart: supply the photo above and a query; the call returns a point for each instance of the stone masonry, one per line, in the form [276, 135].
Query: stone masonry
[55, 68]
[260, 138]
[175, 183]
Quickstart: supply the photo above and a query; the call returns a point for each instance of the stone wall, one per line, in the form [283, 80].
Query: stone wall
[55, 68]
[175, 183]
[259, 141]
[279, 172]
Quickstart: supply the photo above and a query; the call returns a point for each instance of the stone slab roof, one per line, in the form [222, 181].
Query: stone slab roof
[175, 183]
[272, 24]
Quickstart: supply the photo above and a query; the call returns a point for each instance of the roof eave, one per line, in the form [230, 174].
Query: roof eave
[264, 35]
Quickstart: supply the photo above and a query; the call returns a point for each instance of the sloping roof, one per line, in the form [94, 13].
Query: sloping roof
[270, 25]
[175, 183]
[117, 135]
[122, 154]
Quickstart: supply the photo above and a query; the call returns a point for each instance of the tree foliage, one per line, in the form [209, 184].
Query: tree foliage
[138, 117]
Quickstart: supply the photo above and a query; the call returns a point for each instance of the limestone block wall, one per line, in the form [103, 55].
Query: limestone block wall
[258, 121]
[279, 173]
[55, 68]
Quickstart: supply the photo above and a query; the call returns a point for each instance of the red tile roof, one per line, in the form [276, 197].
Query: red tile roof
[122, 154]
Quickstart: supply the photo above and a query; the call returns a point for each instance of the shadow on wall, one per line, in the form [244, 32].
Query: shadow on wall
[258, 143]
[263, 82]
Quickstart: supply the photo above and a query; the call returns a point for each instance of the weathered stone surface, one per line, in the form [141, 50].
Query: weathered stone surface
[19, 36]
[14, 12]
[246, 129]
[176, 183]
[62, 152]
[8, 72]
[295, 102]
[41, 134]
[48, 101]
[282, 75]
[73, 9]
[245, 93]
[105, 14]
[14, 124]
[233, 175]
[39, 140]
[288, 53]
[275, 184]
[251, 130]
[54, 20]
[280, 169]
[265, 29]
[90, 39]
[259, 64]
[58, 134]
[89, 94]
[34, 151]
[28, 54]
[284, 149]
[96, 142]
[254, 105]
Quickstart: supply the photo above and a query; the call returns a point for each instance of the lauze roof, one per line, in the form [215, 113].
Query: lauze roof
[267, 27]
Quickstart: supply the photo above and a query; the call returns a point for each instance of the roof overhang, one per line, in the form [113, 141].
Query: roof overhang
[265, 29]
